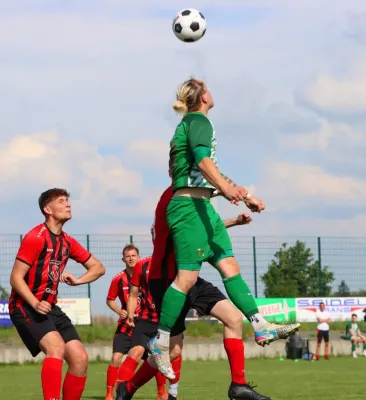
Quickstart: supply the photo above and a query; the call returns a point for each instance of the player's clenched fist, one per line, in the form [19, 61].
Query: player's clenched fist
[69, 279]
[131, 321]
[235, 193]
[254, 204]
[123, 314]
[43, 307]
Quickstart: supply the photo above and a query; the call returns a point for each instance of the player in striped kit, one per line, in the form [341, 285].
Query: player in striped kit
[123, 338]
[37, 272]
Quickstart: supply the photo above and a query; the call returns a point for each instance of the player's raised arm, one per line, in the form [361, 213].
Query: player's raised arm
[95, 269]
[241, 219]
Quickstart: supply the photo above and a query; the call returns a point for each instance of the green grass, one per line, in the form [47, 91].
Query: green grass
[104, 332]
[340, 378]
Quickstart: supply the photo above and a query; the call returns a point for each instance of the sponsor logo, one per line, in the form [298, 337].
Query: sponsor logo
[54, 270]
[49, 250]
[4, 308]
[332, 304]
[48, 290]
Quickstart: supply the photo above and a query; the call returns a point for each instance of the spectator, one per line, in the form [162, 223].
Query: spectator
[353, 333]
[322, 331]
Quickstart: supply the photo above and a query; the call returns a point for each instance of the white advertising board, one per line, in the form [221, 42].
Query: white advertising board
[339, 308]
[78, 310]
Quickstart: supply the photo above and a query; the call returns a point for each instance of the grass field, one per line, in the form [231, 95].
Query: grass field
[102, 333]
[340, 378]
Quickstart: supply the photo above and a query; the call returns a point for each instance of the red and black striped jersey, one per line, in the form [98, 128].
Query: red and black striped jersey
[120, 287]
[46, 254]
[163, 265]
[140, 278]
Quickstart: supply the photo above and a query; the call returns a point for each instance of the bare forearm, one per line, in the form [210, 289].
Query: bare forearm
[229, 223]
[92, 274]
[212, 174]
[113, 306]
[131, 305]
[19, 285]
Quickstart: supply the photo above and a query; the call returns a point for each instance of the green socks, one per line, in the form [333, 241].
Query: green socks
[364, 346]
[172, 306]
[354, 347]
[241, 296]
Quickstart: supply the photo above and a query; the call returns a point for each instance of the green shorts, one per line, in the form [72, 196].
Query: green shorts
[198, 232]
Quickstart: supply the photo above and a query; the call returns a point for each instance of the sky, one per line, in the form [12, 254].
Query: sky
[86, 93]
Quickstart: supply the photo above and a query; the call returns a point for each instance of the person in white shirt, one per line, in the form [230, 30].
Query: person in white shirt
[322, 331]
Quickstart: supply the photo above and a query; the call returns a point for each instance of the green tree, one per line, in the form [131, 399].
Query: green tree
[4, 294]
[343, 290]
[359, 293]
[294, 273]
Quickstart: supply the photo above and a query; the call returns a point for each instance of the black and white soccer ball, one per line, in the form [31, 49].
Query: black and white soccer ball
[189, 25]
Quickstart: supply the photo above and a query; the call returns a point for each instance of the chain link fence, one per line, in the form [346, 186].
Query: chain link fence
[345, 257]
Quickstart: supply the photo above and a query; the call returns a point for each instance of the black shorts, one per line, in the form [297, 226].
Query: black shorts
[121, 343]
[32, 326]
[202, 297]
[322, 335]
[143, 331]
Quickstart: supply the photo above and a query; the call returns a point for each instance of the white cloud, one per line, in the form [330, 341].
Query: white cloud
[289, 187]
[99, 184]
[338, 94]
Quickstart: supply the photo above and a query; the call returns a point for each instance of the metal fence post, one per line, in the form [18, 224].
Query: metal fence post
[131, 239]
[255, 267]
[88, 248]
[320, 266]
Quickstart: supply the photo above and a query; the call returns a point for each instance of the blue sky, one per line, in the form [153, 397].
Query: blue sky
[87, 88]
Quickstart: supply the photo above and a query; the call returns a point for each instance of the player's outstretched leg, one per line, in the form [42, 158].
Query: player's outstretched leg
[240, 295]
[173, 303]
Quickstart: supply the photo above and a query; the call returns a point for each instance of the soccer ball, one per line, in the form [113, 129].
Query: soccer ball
[189, 25]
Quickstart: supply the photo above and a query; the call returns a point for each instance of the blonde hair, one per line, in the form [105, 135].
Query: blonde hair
[189, 96]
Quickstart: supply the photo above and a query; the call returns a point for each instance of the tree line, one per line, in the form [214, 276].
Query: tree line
[294, 272]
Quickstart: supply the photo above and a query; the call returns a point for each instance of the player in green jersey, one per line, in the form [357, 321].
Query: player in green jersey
[198, 232]
[353, 333]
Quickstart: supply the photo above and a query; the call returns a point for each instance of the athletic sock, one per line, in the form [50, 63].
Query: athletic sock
[112, 373]
[51, 376]
[145, 373]
[73, 387]
[235, 352]
[127, 370]
[174, 383]
[364, 346]
[160, 383]
[354, 347]
[172, 306]
[242, 298]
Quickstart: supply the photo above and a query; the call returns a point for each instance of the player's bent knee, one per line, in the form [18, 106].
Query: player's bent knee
[116, 359]
[175, 352]
[228, 267]
[79, 359]
[185, 280]
[136, 353]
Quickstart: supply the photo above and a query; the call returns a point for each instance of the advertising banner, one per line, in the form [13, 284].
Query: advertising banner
[78, 310]
[277, 310]
[339, 308]
[4, 313]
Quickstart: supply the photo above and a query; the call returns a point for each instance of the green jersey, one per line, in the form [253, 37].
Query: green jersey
[194, 130]
[352, 326]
